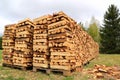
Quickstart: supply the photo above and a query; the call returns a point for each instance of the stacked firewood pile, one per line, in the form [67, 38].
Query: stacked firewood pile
[23, 44]
[54, 42]
[85, 46]
[40, 43]
[102, 71]
[70, 46]
[61, 44]
[8, 43]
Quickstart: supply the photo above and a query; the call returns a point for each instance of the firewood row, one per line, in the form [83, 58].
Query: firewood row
[86, 48]
[70, 46]
[52, 41]
[61, 44]
[23, 54]
[40, 42]
[8, 43]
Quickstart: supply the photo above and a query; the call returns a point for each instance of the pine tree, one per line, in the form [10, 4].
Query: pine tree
[110, 32]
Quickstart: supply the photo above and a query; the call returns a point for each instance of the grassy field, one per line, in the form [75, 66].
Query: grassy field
[15, 74]
[0, 55]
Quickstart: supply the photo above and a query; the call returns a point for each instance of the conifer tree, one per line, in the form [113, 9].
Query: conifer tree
[110, 32]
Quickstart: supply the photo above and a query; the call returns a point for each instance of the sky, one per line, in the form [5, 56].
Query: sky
[12, 11]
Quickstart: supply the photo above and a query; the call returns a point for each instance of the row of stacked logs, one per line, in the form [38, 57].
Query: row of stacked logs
[40, 43]
[8, 43]
[61, 46]
[23, 51]
[70, 46]
[53, 41]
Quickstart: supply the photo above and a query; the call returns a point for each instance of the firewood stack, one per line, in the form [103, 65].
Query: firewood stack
[86, 47]
[40, 42]
[23, 44]
[54, 42]
[8, 43]
[70, 46]
[61, 44]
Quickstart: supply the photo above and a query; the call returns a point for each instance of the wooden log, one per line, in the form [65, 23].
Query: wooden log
[40, 31]
[62, 53]
[40, 36]
[59, 28]
[57, 24]
[38, 27]
[40, 40]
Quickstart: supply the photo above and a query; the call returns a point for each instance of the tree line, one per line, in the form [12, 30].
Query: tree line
[107, 35]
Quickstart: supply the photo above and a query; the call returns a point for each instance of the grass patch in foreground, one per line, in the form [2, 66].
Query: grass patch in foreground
[105, 59]
[11, 78]
[0, 54]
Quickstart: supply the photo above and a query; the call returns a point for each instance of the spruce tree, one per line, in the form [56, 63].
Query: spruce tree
[110, 32]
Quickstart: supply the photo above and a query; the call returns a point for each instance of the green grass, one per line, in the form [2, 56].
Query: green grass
[105, 59]
[0, 54]
[15, 74]
[11, 78]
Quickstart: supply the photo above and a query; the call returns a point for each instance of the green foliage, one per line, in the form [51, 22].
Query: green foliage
[110, 33]
[0, 42]
[94, 32]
